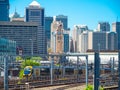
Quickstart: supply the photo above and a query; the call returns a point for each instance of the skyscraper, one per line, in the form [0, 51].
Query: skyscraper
[116, 28]
[35, 13]
[112, 41]
[4, 10]
[59, 37]
[78, 29]
[64, 20]
[103, 41]
[83, 42]
[103, 26]
[48, 21]
[66, 41]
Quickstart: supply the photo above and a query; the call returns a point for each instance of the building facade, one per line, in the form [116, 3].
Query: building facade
[78, 29]
[4, 10]
[35, 13]
[59, 38]
[112, 41]
[64, 20]
[103, 26]
[116, 28]
[7, 47]
[83, 42]
[22, 33]
[48, 21]
[66, 41]
[102, 41]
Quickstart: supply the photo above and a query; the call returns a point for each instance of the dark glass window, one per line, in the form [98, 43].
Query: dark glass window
[35, 13]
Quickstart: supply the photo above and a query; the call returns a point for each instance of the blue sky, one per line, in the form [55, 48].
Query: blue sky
[88, 12]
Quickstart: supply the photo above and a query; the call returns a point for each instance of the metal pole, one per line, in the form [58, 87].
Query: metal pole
[119, 70]
[77, 67]
[6, 73]
[110, 63]
[113, 67]
[96, 71]
[86, 71]
[51, 71]
[32, 47]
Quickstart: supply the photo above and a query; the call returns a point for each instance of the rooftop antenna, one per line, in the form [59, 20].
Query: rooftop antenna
[15, 9]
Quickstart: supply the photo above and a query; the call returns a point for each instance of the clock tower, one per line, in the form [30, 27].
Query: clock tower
[4, 10]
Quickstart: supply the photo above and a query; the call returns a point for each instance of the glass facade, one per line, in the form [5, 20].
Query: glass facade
[4, 10]
[48, 21]
[21, 32]
[64, 20]
[116, 28]
[66, 42]
[7, 47]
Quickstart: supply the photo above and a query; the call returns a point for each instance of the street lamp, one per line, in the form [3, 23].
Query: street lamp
[31, 46]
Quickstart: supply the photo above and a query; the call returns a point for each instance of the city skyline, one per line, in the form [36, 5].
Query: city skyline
[88, 12]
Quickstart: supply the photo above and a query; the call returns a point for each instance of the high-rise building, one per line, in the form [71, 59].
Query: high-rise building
[83, 42]
[78, 29]
[64, 20]
[48, 21]
[112, 41]
[35, 13]
[71, 45]
[66, 41]
[100, 41]
[103, 26]
[116, 28]
[4, 10]
[103, 41]
[59, 38]
[25, 35]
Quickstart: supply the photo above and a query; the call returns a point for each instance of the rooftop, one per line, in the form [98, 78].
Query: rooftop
[34, 4]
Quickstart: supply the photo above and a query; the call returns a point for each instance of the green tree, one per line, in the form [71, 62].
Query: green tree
[29, 63]
[90, 87]
[18, 58]
[38, 59]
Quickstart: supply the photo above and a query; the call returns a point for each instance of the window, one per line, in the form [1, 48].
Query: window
[35, 13]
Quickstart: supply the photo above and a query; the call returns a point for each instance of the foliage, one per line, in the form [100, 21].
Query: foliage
[90, 87]
[36, 59]
[21, 73]
[57, 64]
[18, 58]
[49, 50]
[29, 63]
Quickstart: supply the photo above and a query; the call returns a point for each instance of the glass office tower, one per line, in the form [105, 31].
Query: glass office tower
[4, 10]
